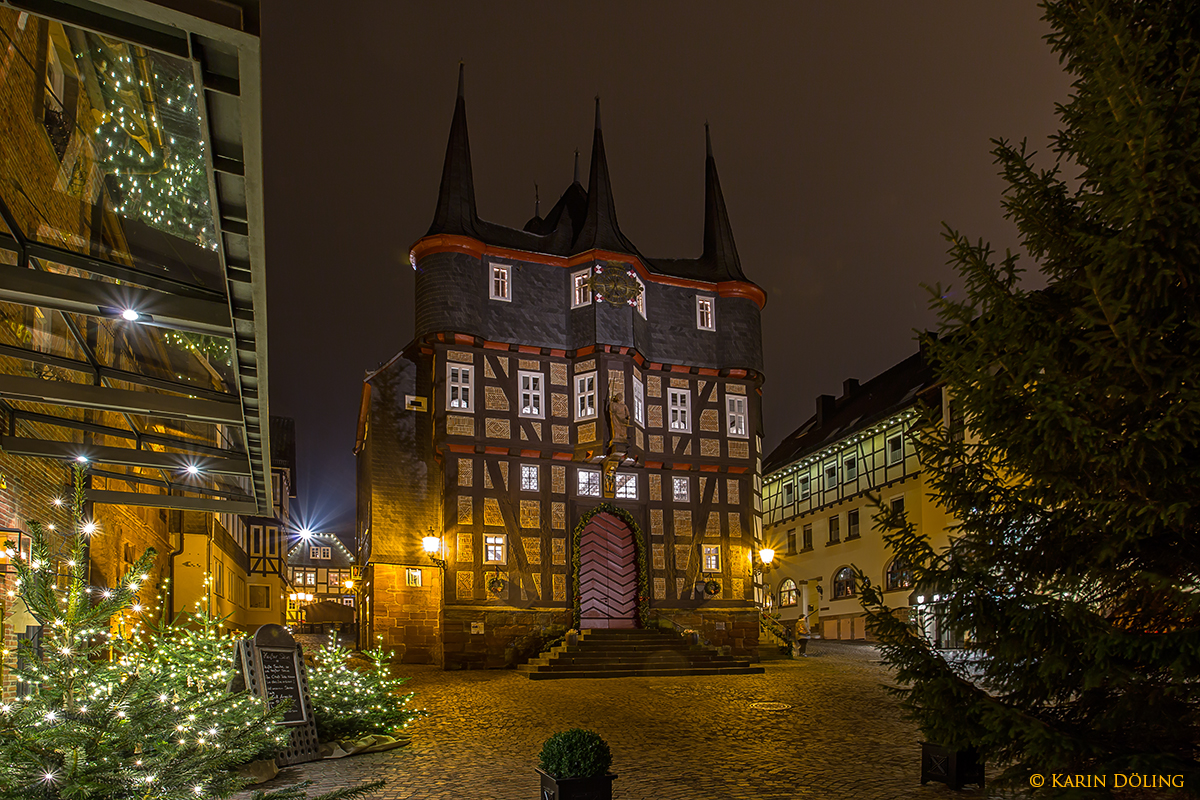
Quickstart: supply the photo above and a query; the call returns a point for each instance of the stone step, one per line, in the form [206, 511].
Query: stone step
[648, 672]
[602, 660]
[616, 665]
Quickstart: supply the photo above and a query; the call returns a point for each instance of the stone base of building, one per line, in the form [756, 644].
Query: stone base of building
[735, 628]
[497, 638]
[407, 617]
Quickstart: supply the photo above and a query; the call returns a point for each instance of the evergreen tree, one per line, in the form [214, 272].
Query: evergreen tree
[349, 702]
[1075, 572]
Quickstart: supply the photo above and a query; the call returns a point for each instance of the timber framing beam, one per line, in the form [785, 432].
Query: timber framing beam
[78, 395]
[123, 456]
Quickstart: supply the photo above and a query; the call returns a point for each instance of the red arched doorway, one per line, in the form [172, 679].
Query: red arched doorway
[608, 578]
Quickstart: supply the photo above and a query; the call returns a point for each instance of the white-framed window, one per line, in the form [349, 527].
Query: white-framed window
[679, 489]
[531, 394]
[325, 553]
[639, 402]
[585, 396]
[706, 315]
[712, 557]
[831, 475]
[640, 304]
[789, 493]
[501, 285]
[581, 288]
[850, 468]
[529, 478]
[804, 484]
[589, 482]
[494, 549]
[626, 486]
[895, 449]
[680, 402]
[459, 395]
[735, 414]
[348, 601]
[412, 576]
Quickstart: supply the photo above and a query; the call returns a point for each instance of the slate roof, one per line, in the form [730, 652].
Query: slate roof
[861, 405]
[581, 220]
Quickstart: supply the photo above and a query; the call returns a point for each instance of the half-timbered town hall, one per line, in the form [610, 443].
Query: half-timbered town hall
[571, 439]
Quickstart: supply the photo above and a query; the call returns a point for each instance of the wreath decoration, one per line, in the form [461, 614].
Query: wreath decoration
[711, 586]
[643, 599]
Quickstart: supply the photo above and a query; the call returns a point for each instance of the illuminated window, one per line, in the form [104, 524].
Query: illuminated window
[843, 583]
[320, 553]
[589, 482]
[640, 303]
[899, 575]
[626, 486]
[735, 408]
[458, 388]
[705, 318]
[680, 403]
[679, 489]
[639, 402]
[529, 478]
[531, 394]
[493, 549]
[412, 576]
[712, 557]
[787, 593]
[581, 288]
[585, 396]
[500, 289]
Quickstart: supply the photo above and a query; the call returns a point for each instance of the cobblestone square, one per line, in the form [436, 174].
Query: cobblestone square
[686, 737]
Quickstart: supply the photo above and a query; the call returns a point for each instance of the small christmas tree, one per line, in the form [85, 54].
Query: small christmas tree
[349, 702]
[1076, 561]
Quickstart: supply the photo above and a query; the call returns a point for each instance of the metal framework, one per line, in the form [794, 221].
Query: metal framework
[218, 40]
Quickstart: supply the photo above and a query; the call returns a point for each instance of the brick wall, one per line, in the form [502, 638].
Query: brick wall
[735, 628]
[408, 617]
[509, 636]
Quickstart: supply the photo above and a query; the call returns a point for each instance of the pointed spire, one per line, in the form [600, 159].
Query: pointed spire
[719, 247]
[600, 229]
[455, 212]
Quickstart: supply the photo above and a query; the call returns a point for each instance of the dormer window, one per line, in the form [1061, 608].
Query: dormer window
[501, 286]
[320, 553]
[581, 288]
[706, 318]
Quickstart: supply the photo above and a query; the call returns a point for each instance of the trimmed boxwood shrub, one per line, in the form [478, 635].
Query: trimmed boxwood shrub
[575, 753]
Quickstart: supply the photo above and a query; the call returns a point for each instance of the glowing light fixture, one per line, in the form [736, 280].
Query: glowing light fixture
[130, 315]
[432, 544]
[192, 469]
[767, 555]
[81, 459]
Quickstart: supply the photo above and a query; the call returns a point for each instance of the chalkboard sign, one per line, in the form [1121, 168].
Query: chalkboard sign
[280, 671]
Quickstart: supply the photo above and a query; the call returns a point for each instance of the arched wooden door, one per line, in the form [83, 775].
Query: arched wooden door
[607, 574]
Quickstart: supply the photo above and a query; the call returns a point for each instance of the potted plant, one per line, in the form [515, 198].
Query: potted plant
[574, 766]
[691, 636]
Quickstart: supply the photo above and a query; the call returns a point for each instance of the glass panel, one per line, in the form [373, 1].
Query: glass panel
[102, 151]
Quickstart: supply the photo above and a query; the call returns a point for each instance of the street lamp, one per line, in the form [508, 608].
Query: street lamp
[433, 549]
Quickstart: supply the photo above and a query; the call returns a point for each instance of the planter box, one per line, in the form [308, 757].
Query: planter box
[951, 767]
[598, 788]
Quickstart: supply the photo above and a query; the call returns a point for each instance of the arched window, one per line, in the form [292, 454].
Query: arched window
[843, 583]
[898, 576]
[787, 593]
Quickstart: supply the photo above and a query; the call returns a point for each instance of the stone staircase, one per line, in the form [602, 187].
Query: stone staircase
[617, 653]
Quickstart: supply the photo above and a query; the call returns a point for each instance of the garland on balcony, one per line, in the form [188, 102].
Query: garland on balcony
[643, 598]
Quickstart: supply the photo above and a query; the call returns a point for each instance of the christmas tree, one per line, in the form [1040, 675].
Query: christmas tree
[1076, 556]
[349, 702]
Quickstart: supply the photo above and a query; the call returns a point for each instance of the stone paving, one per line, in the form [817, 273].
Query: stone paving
[685, 737]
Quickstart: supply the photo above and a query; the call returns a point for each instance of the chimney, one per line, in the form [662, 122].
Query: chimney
[849, 386]
[826, 405]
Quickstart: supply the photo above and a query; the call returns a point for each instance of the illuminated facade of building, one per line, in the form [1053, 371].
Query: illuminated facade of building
[575, 428]
[132, 296]
[819, 499]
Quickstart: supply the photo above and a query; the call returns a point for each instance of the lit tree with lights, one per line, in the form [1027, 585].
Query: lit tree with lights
[348, 702]
[99, 720]
[1076, 566]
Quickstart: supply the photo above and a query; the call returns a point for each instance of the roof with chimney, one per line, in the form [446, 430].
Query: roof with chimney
[582, 219]
[859, 406]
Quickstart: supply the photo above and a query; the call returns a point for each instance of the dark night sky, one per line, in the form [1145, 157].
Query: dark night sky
[845, 135]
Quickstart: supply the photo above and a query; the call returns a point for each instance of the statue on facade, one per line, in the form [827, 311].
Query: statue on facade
[618, 420]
